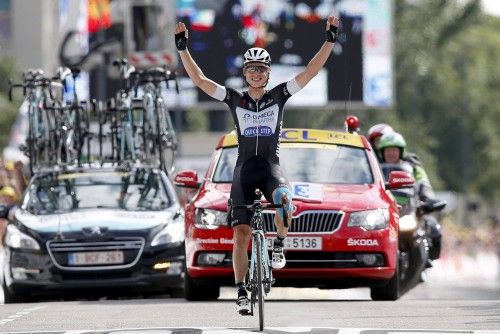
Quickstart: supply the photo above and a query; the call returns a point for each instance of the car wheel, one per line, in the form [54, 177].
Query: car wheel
[11, 297]
[390, 291]
[194, 291]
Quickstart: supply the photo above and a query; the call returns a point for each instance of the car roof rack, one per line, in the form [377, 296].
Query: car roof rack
[126, 166]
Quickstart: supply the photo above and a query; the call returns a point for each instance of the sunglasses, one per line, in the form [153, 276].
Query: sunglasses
[257, 69]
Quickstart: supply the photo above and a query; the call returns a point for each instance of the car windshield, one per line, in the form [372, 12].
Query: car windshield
[309, 163]
[139, 190]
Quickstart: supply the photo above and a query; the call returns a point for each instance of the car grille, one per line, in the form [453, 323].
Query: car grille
[318, 260]
[325, 260]
[132, 248]
[308, 222]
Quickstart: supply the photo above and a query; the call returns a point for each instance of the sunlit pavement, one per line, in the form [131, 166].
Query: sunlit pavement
[478, 271]
[481, 269]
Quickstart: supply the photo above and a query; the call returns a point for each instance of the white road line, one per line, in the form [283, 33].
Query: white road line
[19, 314]
[351, 330]
[226, 331]
[293, 329]
[305, 330]
[33, 308]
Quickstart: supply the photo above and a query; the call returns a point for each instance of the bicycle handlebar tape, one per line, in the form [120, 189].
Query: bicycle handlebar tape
[181, 41]
[332, 33]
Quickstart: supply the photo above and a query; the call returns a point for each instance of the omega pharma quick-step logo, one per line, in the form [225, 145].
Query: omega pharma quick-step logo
[261, 123]
[261, 131]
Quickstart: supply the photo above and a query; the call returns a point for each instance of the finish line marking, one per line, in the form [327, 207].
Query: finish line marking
[267, 330]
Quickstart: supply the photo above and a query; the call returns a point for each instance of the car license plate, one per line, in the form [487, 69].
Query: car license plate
[300, 243]
[90, 258]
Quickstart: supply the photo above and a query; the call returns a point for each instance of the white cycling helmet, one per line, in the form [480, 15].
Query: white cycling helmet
[257, 55]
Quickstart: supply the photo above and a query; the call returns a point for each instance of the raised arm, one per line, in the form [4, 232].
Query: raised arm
[192, 69]
[320, 58]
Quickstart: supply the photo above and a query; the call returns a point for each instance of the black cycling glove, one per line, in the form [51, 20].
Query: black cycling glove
[181, 41]
[331, 34]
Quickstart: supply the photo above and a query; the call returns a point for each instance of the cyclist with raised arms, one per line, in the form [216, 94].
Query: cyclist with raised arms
[258, 118]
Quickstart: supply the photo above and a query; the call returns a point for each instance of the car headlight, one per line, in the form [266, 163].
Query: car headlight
[172, 234]
[210, 219]
[370, 219]
[17, 239]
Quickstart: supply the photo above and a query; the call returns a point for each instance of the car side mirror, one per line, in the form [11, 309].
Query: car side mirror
[187, 179]
[399, 180]
[4, 211]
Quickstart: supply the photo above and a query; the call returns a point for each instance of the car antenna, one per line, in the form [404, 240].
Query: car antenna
[347, 100]
[347, 95]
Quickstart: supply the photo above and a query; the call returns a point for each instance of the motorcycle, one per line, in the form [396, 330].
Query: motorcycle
[419, 235]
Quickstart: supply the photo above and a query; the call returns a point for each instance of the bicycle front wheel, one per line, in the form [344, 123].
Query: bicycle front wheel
[259, 282]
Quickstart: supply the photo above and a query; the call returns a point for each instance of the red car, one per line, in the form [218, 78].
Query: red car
[344, 229]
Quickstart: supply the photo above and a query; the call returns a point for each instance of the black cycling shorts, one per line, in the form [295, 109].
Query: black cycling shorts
[255, 173]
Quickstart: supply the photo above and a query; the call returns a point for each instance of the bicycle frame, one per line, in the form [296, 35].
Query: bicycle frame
[124, 106]
[67, 137]
[148, 117]
[260, 276]
[124, 118]
[37, 92]
[157, 122]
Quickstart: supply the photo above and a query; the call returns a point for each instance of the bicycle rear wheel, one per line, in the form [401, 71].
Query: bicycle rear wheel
[259, 282]
[166, 138]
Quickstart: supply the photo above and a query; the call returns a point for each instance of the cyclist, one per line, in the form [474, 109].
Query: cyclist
[374, 134]
[392, 146]
[258, 115]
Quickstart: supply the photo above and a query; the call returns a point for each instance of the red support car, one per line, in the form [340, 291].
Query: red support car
[344, 230]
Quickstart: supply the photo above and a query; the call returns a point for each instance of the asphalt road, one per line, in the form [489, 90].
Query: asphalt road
[426, 309]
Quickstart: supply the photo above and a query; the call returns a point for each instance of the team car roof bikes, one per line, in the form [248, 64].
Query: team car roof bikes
[135, 126]
[99, 200]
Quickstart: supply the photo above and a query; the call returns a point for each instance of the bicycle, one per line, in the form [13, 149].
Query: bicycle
[123, 105]
[260, 276]
[41, 141]
[158, 130]
[72, 120]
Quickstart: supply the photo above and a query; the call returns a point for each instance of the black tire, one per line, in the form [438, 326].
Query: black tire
[160, 135]
[390, 291]
[87, 136]
[50, 136]
[11, 297]
[199, 292]
[167, 139]
[259, 283]
[31, 140]
[172, 142]
[100, 135]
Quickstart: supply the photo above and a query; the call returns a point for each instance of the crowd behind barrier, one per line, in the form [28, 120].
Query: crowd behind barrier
[13, 183]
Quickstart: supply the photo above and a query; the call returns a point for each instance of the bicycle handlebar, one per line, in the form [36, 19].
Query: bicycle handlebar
[12, 85]
[124, 68]
[154, 75]
[33, 83]
[252, 207]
